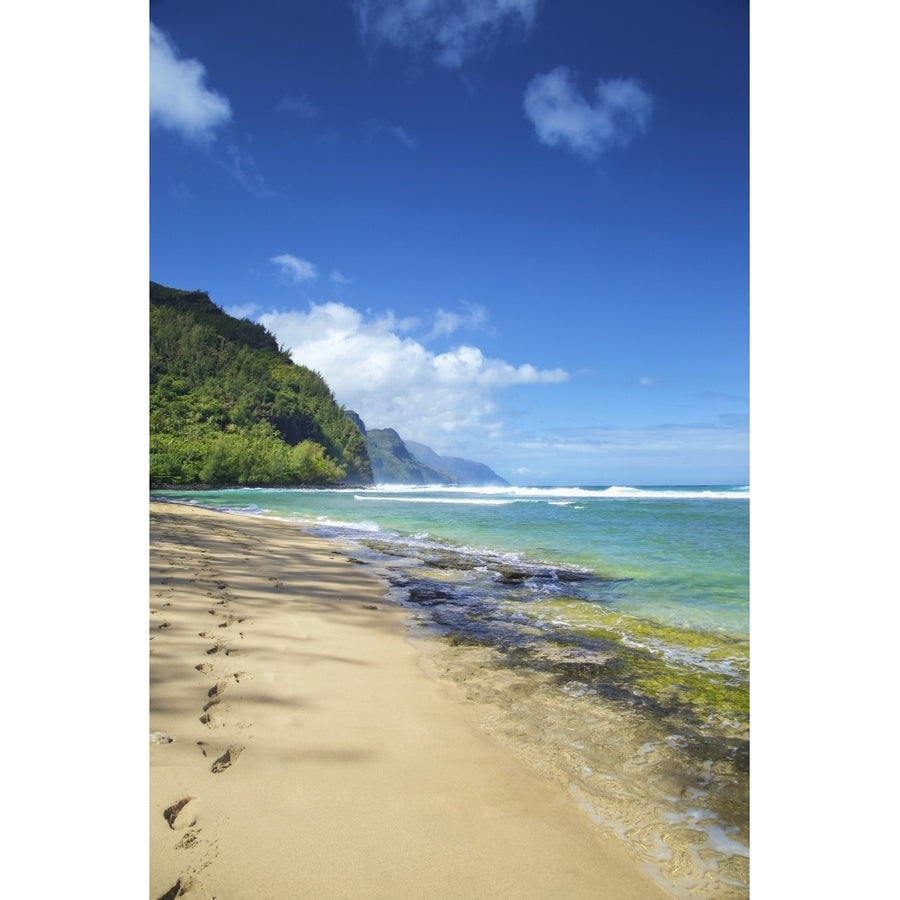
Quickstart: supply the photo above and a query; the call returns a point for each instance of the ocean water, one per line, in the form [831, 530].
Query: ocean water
[601, 632]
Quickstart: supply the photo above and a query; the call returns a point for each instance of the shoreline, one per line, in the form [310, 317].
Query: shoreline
[311, 754]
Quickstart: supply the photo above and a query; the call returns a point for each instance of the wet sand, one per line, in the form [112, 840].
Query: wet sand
[299, 749]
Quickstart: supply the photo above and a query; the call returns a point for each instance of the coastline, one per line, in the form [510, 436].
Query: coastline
[311, 754]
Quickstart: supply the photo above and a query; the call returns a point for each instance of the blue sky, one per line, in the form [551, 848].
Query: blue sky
[516, 231]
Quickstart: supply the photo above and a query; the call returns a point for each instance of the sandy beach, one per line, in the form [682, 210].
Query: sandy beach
[299, 748]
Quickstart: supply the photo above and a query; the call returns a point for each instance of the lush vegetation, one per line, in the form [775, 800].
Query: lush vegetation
[229, 407]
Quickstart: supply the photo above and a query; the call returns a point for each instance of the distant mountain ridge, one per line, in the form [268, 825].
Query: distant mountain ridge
[465, 471]
[392, 463]
[398, 461]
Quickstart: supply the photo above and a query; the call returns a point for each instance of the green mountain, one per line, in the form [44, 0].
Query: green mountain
[229, 407]
[392, 463]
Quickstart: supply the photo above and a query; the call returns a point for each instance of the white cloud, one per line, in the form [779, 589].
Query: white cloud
[563, 117]
[338, 277]
[447, 322]
[452, 29]
[393, 380]
[297, 270]
[179, 100]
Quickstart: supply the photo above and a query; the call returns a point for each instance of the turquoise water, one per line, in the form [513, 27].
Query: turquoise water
[620, 605]
[678, 555]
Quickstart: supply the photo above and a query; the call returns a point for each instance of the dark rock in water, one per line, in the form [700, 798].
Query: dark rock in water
[512, 575]
[458, 639]
[451, 560]
[569, 577]
[426, 595]
[397, 581]
[587, 671]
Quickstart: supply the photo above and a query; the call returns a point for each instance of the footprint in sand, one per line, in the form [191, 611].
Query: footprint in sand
[210, 720]
[187, 887]
[226, 760]
[223, 762]
[182, 813]
[187, 841]
[215, 695]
